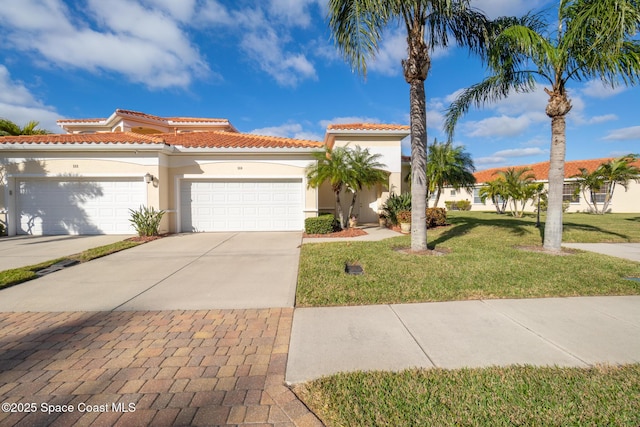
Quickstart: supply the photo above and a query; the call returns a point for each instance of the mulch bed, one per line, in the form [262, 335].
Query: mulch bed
[349, 232]
[145, 239]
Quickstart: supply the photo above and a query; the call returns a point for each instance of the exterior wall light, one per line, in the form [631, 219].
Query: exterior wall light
[148, 178]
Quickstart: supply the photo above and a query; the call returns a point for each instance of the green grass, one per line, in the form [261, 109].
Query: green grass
[484, 262]
[23, 274]
[513, 396]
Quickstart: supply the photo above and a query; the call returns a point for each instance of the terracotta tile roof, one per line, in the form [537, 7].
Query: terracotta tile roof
[88, 138]
[218, 139]
[367, 126]
[541, 170]
[221, 139]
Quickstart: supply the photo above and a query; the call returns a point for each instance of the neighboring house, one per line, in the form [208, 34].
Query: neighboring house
[622, 201]
[205, 174]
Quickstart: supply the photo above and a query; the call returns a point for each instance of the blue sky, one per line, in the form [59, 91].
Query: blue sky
[270, 68]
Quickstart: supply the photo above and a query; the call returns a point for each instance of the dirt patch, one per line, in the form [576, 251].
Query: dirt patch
[349, 232]
[428, 252]
[145, 239]
[541, 249]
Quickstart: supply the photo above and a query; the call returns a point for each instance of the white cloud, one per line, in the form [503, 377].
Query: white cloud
[597, 89]
[496, 8]
[624, 134]
[288, 130]
[501, 126]
[20, 106]
[602, 119]
[505, 157]
[145, 44]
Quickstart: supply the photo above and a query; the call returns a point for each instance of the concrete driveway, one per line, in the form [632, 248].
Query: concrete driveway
[181, 272]
[20, 251]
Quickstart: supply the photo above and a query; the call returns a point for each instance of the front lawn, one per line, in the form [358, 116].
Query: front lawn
[486, 259]
[512, 396]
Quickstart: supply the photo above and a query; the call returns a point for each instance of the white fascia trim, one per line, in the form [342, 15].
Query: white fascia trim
[199, 177]
[369, 132]
[87, 146]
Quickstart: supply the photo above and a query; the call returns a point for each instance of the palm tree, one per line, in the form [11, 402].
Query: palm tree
[449, 166]
[592, 39]
[496, 191]
[366, 171]
[9, 128]
[520, 188]
[331, 165]
[602, 181]
[345, 168]
[357, 27]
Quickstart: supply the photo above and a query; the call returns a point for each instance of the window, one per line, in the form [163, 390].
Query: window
[599, 196]
[453, 192]
[476, 197]
[569, 193]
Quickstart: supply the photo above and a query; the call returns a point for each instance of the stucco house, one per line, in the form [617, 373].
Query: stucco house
[622, 201]
[205, 174]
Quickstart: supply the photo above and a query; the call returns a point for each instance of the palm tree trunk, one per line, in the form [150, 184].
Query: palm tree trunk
[553, 223]
[339, 209]
[418, 166]
[352, 206]
[435, 204]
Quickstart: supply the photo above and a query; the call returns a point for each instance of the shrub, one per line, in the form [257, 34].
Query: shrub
[2, 229]
[436, 217]
[396, 203]
[146, 220]
[544, 203]
[459, 205]
[404, 216]
[323, 224]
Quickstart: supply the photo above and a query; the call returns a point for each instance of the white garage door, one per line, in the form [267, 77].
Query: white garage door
[241, 205]
[97, 206]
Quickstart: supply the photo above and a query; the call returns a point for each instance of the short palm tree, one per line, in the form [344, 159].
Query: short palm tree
[366, 171]
[9, 128]
[449, 166]
[520, 188]
[603, 180]
[357, 27]
[495, 190]
[345, 168]
[592, 39]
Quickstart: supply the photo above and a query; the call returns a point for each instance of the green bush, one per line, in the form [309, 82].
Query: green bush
[436, 217]
[458, 205]
[396, 203]
[146, 220]
[2, 230]
[323, 224]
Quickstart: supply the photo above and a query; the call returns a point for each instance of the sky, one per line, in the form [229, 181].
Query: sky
[271, 68]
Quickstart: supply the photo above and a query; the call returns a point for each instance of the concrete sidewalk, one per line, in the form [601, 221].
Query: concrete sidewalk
[629, 251]
[374, 233]
[555, 331]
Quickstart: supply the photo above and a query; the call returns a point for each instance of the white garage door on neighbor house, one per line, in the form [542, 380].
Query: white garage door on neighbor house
[95, 206]
[274, 205]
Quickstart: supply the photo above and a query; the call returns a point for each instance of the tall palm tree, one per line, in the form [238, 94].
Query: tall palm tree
[9, 128]
[366, 171]
[592, 39]
[357, 27]
[449, 166]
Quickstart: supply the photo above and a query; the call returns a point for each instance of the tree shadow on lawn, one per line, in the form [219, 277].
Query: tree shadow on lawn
[518, 226]
[636, 219]
[463, 225]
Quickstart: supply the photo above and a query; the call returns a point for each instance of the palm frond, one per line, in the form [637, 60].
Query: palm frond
[356, 27]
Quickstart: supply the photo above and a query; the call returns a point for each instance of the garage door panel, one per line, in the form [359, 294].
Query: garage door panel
[78, 207]
[241, 205]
